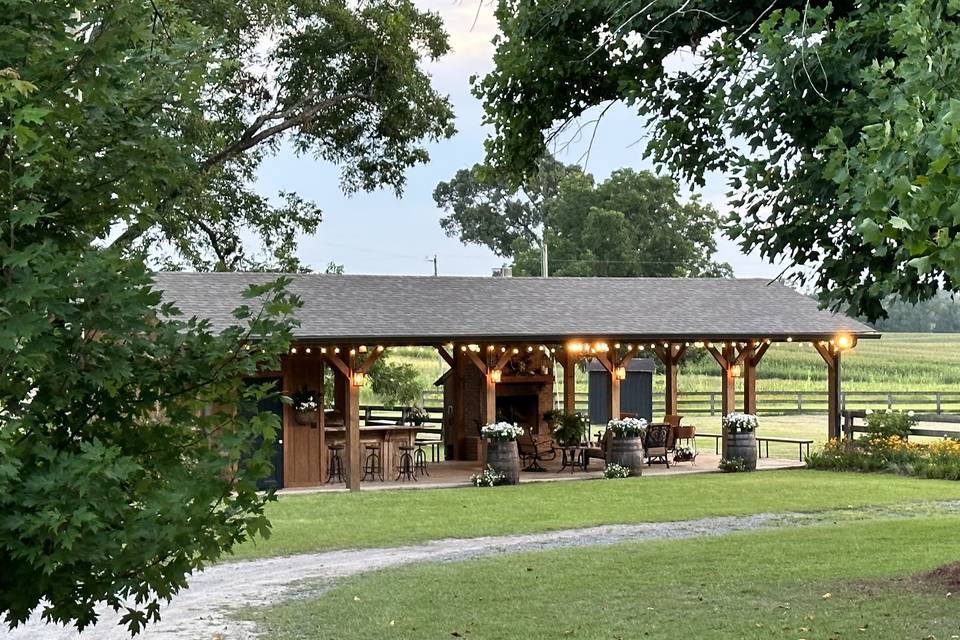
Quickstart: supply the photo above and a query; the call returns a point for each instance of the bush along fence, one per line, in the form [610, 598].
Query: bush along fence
[886, 447]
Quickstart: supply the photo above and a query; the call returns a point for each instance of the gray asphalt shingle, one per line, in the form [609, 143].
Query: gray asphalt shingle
[412, 309]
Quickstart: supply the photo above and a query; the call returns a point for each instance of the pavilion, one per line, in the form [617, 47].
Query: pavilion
[482, 327]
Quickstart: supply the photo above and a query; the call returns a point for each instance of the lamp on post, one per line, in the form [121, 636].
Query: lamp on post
[359, 378]
[736, 371]
[495, 376]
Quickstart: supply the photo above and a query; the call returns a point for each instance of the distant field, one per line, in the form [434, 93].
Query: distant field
[897, 362]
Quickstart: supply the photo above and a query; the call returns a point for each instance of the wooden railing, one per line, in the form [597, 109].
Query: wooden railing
[810, 402]
[794, 402]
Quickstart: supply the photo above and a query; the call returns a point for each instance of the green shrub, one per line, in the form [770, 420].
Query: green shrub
[890, 423]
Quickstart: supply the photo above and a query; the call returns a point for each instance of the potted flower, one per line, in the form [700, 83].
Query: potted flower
[305, 407]
[416, 416]
[624, 439]
[502, 454]
[570, 428]
[741, 439]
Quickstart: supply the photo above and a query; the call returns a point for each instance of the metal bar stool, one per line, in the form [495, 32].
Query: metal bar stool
[373, 463]
[420, 458]
[335, 464]
[405, 463]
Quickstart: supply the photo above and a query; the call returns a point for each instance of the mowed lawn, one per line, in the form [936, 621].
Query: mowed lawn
[324, 521]
[852, 580]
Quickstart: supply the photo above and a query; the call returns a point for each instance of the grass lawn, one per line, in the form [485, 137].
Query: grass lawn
[323, 521]
[853, 580]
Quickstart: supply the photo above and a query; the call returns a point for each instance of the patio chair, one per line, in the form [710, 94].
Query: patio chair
[598, 450]
[655, 443]
[535, 449]
[674, 422]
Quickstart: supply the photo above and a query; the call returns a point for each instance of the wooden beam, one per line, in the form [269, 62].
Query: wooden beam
[372, 357]
[717, 355]
[759, 352]
[477, 361]
[446, 355]
[605, 361]
[338, 364]
[503, 359]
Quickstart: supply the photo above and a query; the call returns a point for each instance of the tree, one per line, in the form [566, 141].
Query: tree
[939, 314]
[203, 92]
[836, 122]
[631, 224]
[483, 209]
[130, 131]
[397, 384]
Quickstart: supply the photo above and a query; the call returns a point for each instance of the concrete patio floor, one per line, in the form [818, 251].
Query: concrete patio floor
[457, 474]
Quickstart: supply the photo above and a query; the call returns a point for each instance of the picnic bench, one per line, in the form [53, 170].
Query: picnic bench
[763, 444]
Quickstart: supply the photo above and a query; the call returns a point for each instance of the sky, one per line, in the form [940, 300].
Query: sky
[384, 234]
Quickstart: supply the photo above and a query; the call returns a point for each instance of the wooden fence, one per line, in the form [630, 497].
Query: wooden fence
[771, 403]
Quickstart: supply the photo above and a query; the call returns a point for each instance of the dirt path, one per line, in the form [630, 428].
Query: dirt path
[202, 611]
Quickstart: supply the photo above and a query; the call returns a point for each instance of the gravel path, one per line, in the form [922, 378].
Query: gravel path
[202, 611]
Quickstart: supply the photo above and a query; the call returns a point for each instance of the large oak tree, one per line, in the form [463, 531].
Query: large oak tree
[837, 123]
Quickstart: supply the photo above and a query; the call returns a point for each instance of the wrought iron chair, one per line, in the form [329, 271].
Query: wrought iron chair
[535, 449]
[655, 443]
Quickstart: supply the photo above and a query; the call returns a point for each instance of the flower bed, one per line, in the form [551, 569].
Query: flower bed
[891, 454]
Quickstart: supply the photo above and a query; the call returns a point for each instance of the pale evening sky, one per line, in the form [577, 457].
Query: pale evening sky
[381, 233]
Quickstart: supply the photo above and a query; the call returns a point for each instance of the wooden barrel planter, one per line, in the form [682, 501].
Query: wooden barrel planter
[744, 446]
[502, 455]
[626, 452]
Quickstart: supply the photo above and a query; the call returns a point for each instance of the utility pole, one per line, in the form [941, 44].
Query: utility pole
[544, 263]
[434, 261]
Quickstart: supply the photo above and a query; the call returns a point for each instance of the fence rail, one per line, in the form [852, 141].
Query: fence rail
[791, 402]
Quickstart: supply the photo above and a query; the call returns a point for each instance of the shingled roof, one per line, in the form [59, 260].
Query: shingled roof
[427, 310]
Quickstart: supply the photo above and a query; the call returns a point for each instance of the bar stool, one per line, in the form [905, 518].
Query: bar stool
[335, 462]
[373, 463]
[420, 458]
[405, 463]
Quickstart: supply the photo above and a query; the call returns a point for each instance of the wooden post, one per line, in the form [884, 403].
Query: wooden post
[749, 381]
[488, 408]
[569, 383]
[459, 426]
[614, 395]
[670, 356]
[351, 423]
[728, 395]
[321, 420]
[832, 358]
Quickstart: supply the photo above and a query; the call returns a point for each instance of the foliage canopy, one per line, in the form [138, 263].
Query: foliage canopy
[130, 442]
[837, 123]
